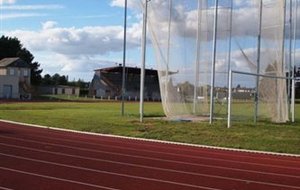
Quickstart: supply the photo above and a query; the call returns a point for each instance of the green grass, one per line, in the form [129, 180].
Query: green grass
[105, 117]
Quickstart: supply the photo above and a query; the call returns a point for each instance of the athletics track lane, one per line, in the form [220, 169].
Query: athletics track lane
[37, 158]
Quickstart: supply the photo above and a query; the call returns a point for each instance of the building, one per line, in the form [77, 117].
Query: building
[59, 90]
[14, 79]
[107, 83]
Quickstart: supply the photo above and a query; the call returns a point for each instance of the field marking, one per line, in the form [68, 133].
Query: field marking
[57, 179]
[4, 188]
[146, 178]
[111, 173]
[156, 168]
[178, 148]
[153, 140]
[145, 151]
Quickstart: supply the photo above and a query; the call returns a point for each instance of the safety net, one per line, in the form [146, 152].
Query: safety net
[195, 50]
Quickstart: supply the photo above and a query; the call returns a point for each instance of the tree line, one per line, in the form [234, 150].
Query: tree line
[12, 47]
[57, 79]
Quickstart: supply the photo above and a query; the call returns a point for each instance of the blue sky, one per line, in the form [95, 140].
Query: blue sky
[76, 13]
[75, 37]
[63, 35]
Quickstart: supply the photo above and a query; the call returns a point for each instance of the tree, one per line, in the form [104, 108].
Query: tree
[12, 47]
[56, 79]
[47, 80]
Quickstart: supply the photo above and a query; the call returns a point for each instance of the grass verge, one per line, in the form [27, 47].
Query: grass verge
[105, 117]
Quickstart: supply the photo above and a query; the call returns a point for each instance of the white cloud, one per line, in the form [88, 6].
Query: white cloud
[7, 2]
[130, 3]
[32, 7]
[18, 10]
[20, 15]
[78, 41]
[80, 50]
[49, 24]
[184, 20]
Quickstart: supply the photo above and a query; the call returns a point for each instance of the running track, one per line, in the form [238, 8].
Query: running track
[34, 158]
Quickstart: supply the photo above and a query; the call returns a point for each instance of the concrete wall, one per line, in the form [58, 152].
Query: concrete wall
[59, 90]
[13, 81]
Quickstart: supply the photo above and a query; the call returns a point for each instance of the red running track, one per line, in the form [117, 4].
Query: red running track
[34, 158]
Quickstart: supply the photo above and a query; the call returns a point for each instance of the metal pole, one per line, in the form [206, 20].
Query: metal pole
[144, 39]
[229, 49]
[213, 67]
[283, 56]
[229, 98]
[165, 99]
[290, 57]
[294, 61]
[293, 100]
[124, 58]
[258, 59]
[261, 75]
[197, 62]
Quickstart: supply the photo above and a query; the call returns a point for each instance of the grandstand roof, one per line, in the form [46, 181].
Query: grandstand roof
[134, 70]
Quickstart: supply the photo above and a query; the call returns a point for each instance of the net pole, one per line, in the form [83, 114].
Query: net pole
[144, 37]
[124, 59]
[213, 65]
[294, 60]
[229, 99]
[258, 59]
[283, 52]
[168, 55]
[293, 100]
[197, 62]
[290, 56]
[229, 48]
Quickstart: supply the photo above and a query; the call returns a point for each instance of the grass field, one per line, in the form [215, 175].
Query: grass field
[105, 117]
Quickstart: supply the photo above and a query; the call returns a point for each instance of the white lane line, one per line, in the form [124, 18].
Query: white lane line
[151, 179]
[149, 167]
[57, 179]
[152, 140]
[4, 188]
[199, 151]
[150, 151]
[109, 173]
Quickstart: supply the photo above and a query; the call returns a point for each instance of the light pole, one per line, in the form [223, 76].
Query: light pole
[213, 65]
[124, 58]
[258, 60]
[144, 40]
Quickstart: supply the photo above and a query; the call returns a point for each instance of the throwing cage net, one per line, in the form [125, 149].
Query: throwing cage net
[194, 64]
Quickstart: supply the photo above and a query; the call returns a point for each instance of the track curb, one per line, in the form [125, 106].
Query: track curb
[153, 140]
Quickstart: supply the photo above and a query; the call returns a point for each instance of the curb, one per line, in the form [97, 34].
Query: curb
[156, 141]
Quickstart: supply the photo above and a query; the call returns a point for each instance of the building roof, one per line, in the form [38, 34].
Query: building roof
[13, 62]
[134, 70]
[58, 86]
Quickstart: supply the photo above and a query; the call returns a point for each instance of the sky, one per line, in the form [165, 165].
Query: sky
[75, 37]
[72, 37]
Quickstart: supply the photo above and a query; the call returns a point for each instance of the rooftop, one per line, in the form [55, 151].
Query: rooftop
[134, 70]
[13, 62]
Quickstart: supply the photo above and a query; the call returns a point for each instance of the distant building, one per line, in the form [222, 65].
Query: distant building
[59, 90]
[107, 83]
[14, 79]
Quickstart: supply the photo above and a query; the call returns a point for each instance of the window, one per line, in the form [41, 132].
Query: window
[11, 71]
[2, 72]
[25, 73]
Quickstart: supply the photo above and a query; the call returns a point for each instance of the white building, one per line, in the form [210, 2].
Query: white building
[14, 78]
